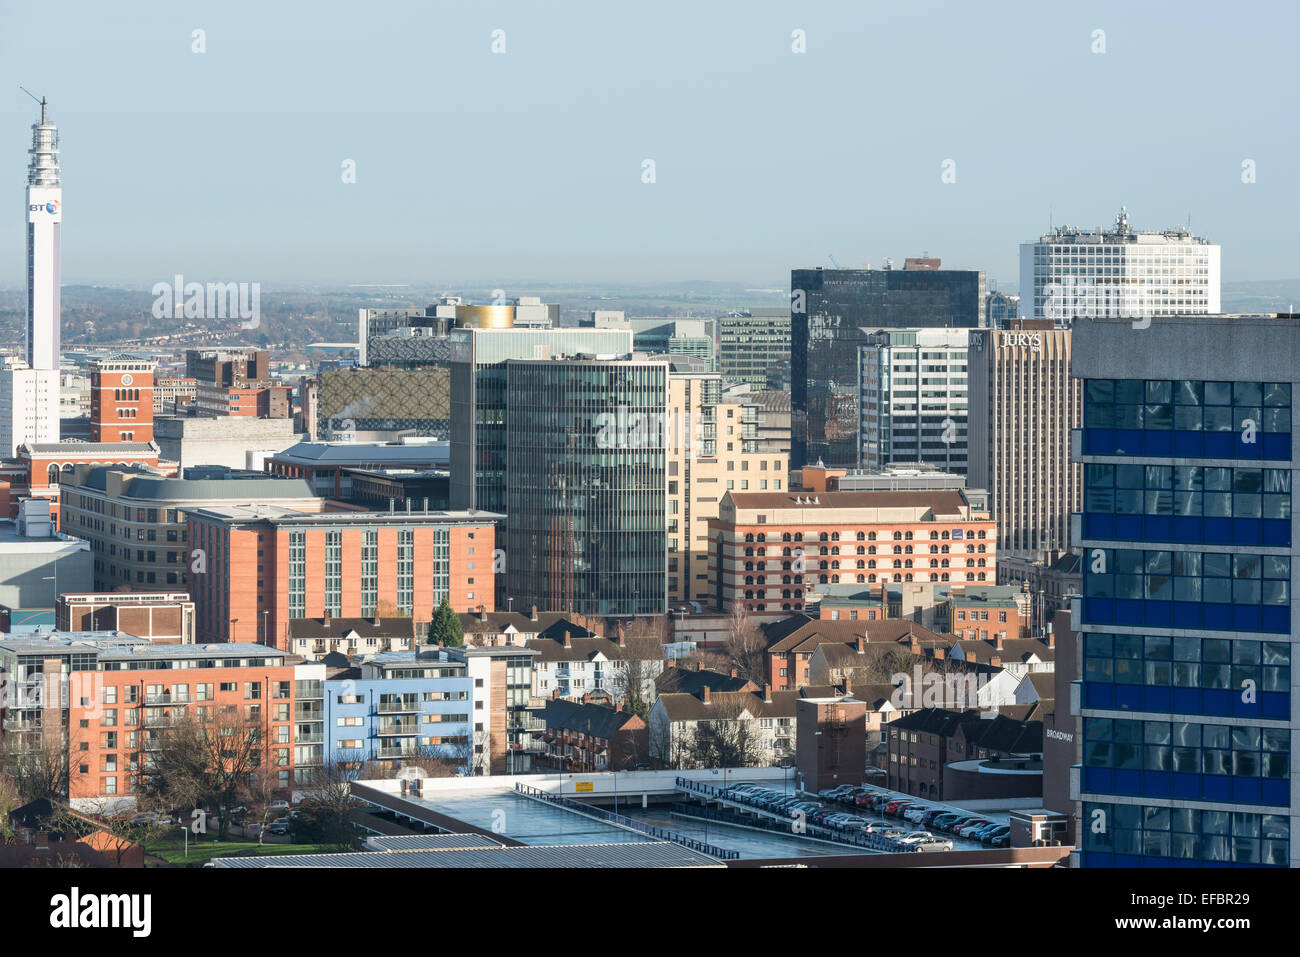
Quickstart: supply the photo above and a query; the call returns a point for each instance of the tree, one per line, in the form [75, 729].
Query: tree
[9, 802]
[731, 739]
[445, 628]
[746, 647]
[326, 813]
[193, 762]
[36, 764]
[642, 659]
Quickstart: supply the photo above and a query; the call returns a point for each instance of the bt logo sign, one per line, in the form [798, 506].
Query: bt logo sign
[51, 207]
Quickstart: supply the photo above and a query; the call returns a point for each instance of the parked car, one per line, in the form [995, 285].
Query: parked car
[933, 815]
[915, 813]
[935, 844]
[1001, 839]
[279, 805]
[916, 837]
[894, 832]
[965, 829]
[961, 821]
[278, 828]
[991, 835]
[979, 833]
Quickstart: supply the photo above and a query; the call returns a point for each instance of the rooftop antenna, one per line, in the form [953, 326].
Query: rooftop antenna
[40, 100]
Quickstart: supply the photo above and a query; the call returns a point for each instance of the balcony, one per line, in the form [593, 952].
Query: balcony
[309, 739]
[388, 753]
[397, 730]
[397, 707]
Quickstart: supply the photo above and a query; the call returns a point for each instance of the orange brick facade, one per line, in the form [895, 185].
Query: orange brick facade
[244, 592]
[771, 569]
[121, 401]
[115, 717]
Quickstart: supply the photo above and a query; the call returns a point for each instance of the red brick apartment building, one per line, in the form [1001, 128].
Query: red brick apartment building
[109, 698]
[263, 566]
[772, 551]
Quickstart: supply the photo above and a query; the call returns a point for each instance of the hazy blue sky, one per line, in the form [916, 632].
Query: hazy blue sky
[527, 166]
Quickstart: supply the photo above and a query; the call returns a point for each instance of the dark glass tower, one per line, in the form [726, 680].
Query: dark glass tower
[586, 485]
[829, 309]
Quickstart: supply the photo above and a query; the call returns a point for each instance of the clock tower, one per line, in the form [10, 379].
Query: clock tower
[121, 399]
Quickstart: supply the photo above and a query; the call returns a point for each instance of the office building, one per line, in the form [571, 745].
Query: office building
[235, 383]
[1186, 697]
[713, 448]
[770, 551]
[585, 480]
[29, 405]
[331, 467]
[1118, 272]
[135, 517]
[265, 565]
[831, 313]
[912, 398]
[1001, 308]
[772, 414]
[754, 347]
[1023, 404]
[478, 398]
[232, 441]
[405, 339]
[121, 399]
[37, 562]
[663, 336]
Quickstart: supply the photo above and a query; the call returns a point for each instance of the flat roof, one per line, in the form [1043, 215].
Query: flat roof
[637, 854]
[280, 515]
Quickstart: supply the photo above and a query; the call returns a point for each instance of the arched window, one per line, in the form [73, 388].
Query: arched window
[862, 579]
[785, 538]
[822, 537]
[749, 536]
[52, 474]
[749, 551]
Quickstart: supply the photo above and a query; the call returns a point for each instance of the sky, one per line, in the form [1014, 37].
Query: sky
[528, 165]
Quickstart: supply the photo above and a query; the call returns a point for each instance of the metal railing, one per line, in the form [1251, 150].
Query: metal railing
[619, 820]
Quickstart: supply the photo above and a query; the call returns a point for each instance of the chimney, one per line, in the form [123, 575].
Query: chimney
[997, 641]
[670, 663]
[705, 699]
[915, 643]
[767, 694]
[555, 695]
[848, 685]
[532, 613]
[586, 698]
[861, 645]
[995, 662]
[568, 642]
[619, 632]
[735, 673]
[940, 654]
[326, 621]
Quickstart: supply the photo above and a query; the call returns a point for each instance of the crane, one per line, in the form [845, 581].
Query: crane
[833, 261]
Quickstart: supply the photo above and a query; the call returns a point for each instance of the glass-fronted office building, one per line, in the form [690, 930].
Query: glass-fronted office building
[1185, 704]
[831, 313]
[586, 485]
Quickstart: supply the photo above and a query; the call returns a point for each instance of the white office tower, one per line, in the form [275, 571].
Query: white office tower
[44, 218]
[29, 405]
[1118, 273]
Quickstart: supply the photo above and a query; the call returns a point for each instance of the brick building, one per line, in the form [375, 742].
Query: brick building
[107, 698]
[121, 399]
[582, 736]
[265, 565]
[162, 617]
[770, 552]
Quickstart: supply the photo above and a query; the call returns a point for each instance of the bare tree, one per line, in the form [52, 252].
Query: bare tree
[746, 648]
[641, 661]
[326, 813]
[195, 761]
[729, 740]
[37, 765]
[10, 801]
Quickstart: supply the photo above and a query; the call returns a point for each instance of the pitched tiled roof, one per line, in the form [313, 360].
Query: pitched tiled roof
[307, 628]
[690, 681]
[728, 704]
[595, 720]
[1013, 649]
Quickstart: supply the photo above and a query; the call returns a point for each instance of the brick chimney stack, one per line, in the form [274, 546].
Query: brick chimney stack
[767, 694]
[848, 685]
[619, 631]
[997, 641]
[568, 640]
[995, 662]
[705, 699]
[735, 673]
[532, 613]
[861, 645]
[940, 654]
[1051, 639]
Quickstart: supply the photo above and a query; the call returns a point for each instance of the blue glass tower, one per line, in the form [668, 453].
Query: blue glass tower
[1184, 695]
